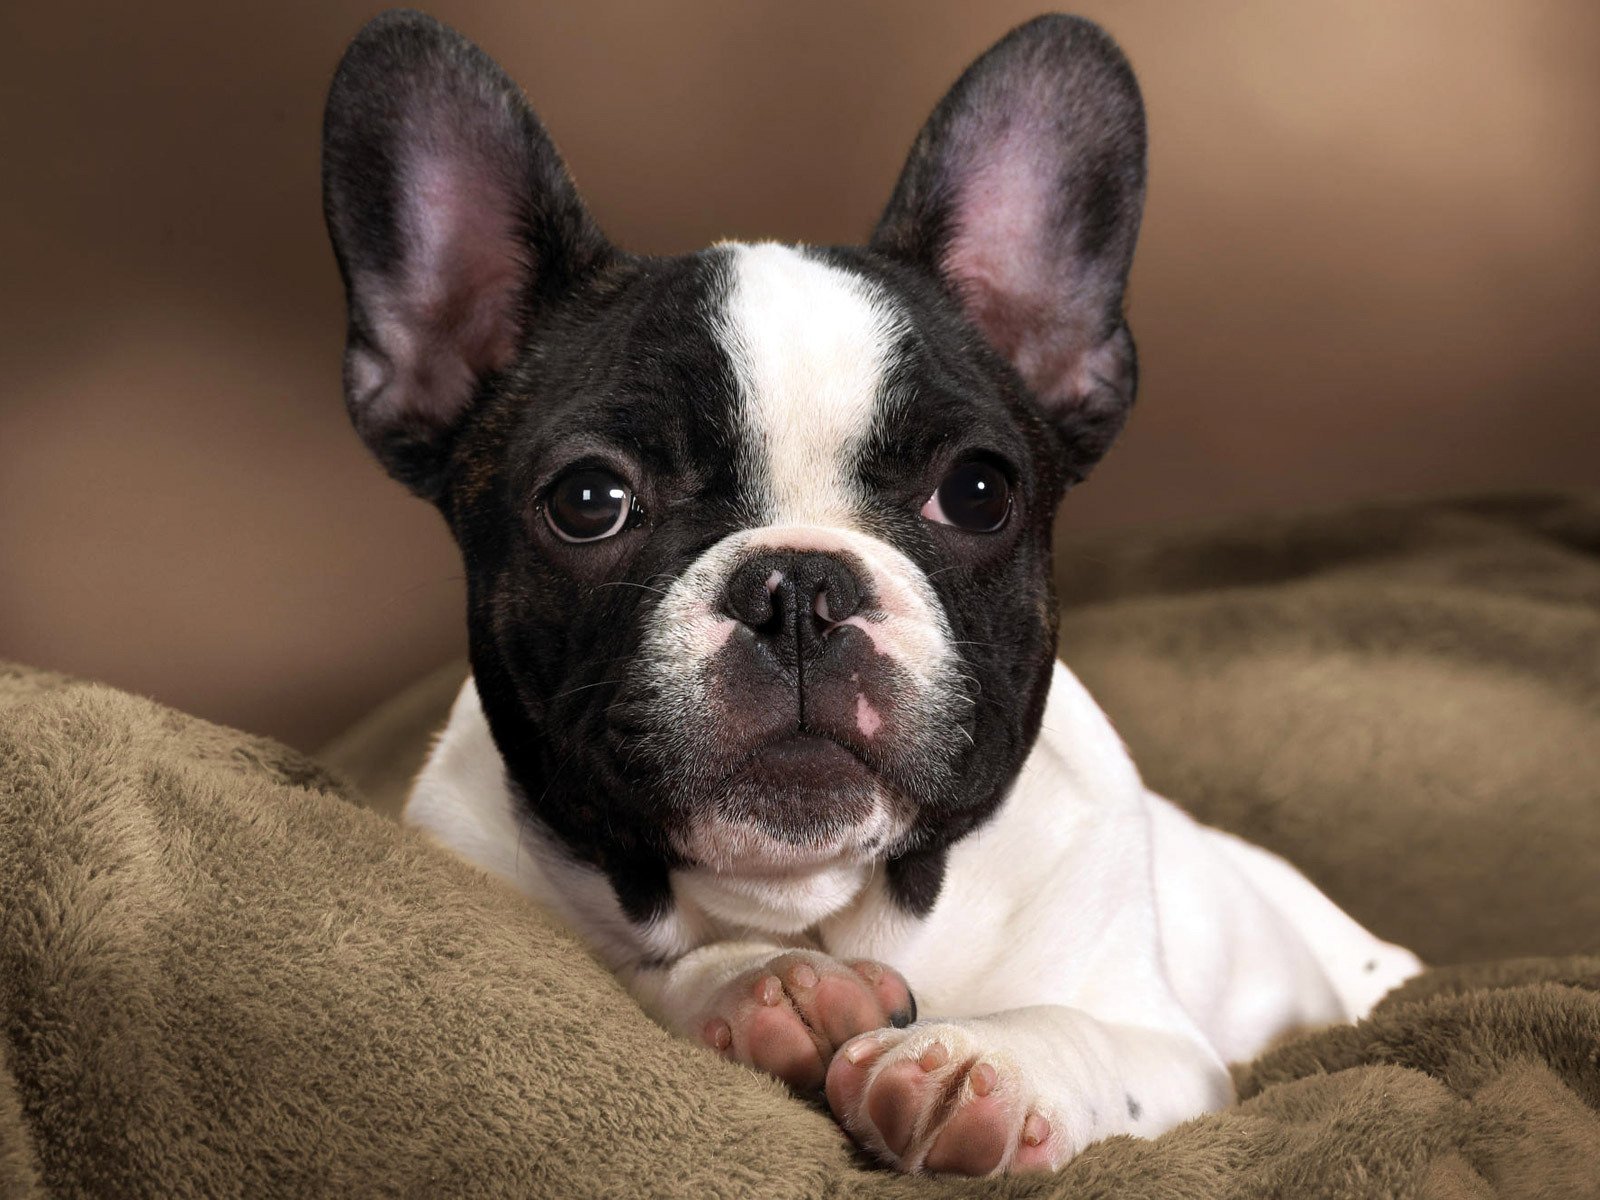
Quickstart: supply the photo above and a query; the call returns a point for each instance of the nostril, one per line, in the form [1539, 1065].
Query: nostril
[789, 595]
[751, 601]
[837, 593]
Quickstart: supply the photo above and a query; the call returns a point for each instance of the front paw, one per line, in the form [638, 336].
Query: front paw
[788, 1016]
[934, 1097]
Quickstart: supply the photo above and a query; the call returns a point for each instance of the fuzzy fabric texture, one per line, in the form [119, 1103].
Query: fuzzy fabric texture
[218, 976]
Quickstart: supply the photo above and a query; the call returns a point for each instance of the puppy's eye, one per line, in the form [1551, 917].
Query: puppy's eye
[976, 496]
[588, 505]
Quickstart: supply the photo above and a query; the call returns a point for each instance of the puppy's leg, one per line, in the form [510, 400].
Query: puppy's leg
[782, 1011]
[1020, 1090]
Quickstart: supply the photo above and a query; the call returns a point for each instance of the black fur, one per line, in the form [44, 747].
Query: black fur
[616, 363]
[402, 68]
[1093, 141]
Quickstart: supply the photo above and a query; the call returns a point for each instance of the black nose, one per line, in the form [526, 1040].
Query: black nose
[791, 598]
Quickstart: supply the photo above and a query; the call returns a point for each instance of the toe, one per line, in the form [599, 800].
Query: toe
[847, 1076]
[890, 990]
[718, 1034]
[778, 1043]
[1036, 1150]
[840, 1008]
[979, 1132]
[895, 1101]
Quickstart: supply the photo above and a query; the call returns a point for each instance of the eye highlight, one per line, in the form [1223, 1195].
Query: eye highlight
[975, 496]
[589, 505]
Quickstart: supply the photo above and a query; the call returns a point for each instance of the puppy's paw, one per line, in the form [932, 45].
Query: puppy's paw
[788, 1016]
[935, 1097]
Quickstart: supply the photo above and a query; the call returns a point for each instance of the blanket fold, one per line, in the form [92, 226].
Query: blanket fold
[219, 976]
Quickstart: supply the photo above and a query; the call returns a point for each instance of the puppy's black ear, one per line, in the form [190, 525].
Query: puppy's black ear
[1022, 195]
[453, 220]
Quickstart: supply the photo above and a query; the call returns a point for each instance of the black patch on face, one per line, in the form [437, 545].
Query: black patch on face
[1134, 1108]
[626, 373]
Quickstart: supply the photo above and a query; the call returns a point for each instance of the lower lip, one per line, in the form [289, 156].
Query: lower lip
[803, 761]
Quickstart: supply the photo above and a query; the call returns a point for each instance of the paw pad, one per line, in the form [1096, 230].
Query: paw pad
[788, 1016]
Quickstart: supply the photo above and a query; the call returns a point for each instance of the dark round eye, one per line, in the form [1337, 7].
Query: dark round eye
[588, 505]
[976, 496]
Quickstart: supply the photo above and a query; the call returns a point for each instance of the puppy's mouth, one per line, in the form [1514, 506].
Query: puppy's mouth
[800, 762]
[796, 802]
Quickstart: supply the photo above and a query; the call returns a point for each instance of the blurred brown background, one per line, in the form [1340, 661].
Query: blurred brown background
[1370, 266]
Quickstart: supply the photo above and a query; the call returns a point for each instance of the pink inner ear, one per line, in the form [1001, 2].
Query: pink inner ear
[1014, 270]
[450, 314]
[468, 257]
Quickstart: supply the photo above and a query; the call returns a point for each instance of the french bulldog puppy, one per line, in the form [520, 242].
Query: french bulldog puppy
[757, 540]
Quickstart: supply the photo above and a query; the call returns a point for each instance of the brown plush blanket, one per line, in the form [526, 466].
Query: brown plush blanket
[219, 977]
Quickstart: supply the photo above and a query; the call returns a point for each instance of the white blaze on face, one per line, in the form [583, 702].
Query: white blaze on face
[811, 346]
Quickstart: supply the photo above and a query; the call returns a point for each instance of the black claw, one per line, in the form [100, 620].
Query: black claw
[907, 1015]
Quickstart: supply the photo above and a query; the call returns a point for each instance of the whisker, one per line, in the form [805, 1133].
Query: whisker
[626, 583]
[585, 687]
[517, 859]
[405, 593]
[522, 826]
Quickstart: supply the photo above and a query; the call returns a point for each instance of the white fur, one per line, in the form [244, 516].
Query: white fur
[1092, 940]
[811, 347]
[1091, 934]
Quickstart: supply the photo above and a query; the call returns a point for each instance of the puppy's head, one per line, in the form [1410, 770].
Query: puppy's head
[757, 540]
